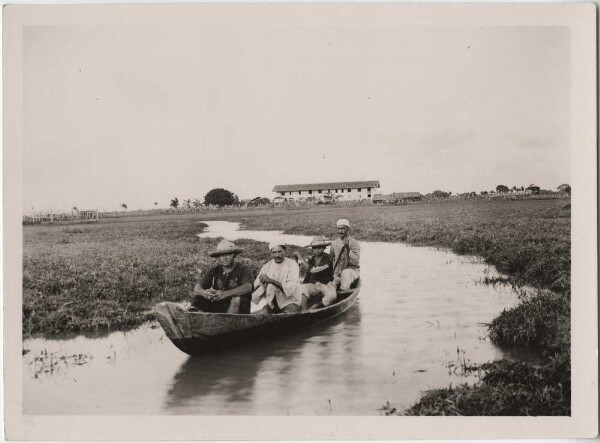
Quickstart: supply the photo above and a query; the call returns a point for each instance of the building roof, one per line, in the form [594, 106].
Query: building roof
[406, 194]
[381, 196]
[324, 186]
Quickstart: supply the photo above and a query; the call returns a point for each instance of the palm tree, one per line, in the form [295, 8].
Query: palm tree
[155, 203]
[188, 204]
[197, 203]
[124, 205]
[174, 203]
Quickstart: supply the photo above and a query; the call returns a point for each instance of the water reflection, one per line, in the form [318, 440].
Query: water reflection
[229, 377]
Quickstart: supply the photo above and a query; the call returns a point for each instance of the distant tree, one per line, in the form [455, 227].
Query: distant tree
[263, 201]
[484, 193]
[187, 203]
[174, 203]
[197, 203]
[74, 208]
[502, 189]
[219, 197]
[155, 203]
[441, 194]
[565, 188]
[124, 205]
[522, 188]
[534, 189]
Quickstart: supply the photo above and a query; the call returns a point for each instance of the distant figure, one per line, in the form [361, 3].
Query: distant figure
[227, 286]
[346, 255]
[278, 281]
[318, 289]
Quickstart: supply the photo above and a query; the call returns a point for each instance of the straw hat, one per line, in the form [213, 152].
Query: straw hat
[225, 247]
[319, 242]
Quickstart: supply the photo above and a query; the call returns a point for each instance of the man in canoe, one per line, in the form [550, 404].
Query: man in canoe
[317, 288]
[278, 282]
[346, 255]
[227, 286]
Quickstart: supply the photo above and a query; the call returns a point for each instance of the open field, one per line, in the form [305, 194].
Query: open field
[107, 275]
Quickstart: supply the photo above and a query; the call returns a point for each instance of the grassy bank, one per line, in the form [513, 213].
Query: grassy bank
[108, 275]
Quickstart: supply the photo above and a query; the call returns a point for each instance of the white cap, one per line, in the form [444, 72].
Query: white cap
[343, 222]
[272, 245]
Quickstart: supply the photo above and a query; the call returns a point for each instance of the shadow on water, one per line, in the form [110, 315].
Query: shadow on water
[231, 374]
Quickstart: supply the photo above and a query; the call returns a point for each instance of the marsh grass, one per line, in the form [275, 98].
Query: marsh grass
[507, 388]
[107, 276]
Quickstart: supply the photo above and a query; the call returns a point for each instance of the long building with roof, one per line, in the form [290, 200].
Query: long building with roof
[339, 191]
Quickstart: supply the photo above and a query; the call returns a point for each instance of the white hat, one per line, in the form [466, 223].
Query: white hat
[343, 222]
[272, 245]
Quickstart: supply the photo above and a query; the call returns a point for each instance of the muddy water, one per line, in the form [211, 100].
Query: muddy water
[419, 315]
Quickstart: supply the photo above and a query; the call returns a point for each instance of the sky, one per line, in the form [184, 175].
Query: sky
[143, 114]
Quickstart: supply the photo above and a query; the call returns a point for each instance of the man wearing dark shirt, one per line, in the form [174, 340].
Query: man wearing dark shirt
[227, 286]
[318, 281]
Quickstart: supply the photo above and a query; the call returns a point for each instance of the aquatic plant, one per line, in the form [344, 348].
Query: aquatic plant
[53, 362]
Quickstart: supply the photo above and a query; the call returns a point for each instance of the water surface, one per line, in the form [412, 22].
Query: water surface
[420, 314]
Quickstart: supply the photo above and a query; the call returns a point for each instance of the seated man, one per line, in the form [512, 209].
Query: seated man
[227, 286]
[278, 281]
[346, 253]
[317, 288]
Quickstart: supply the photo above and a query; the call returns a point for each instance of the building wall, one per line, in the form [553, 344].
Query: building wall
[344, 195]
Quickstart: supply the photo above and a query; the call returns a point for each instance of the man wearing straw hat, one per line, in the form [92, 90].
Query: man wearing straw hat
[278, 281]
[318, 281]
[346, 254]
[227, 286]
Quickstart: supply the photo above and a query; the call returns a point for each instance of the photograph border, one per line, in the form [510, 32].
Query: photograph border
[580, 18]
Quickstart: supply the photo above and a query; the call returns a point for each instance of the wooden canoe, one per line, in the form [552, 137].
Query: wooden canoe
[198, 332]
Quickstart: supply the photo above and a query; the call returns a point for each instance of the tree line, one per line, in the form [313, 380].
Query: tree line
[503, 189]
[222, 197]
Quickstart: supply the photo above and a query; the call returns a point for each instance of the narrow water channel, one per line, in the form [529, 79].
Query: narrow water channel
[419, 319]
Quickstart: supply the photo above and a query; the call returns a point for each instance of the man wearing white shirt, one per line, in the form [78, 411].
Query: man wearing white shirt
[278, 281]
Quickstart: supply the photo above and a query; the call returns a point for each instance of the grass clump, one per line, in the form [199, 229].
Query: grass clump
[540, 320]
[508, 388]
